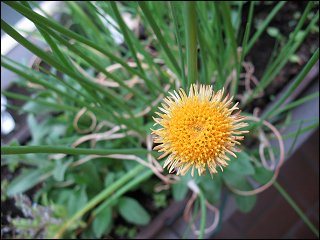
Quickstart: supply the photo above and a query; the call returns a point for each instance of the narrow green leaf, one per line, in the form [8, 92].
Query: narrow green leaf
[113, 200]
[32, 78]
[291, 46]
[302, 130]
[230, 32]
[220, 47]
[156, 30]
[191, 41]
[101, 68]
[53, 106]
[313, 60]
[177, 33]
[86, 22]
[91, 87]
[296, 103]
[244, 45]
[49, 59]
[46, 23]
[263, 26]
[295, 139]
[54, 47]
[124, 31]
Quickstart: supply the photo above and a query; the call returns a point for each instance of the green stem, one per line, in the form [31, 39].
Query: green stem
[8, 150]
[141, 177]
[100, 197]
[303, 217]
[191, 40]
[203, 215]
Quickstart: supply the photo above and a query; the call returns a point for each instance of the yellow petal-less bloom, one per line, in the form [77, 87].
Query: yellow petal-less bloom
[198, 130]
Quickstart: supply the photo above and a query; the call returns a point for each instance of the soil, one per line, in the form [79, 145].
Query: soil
[262, 50]
[259, 56]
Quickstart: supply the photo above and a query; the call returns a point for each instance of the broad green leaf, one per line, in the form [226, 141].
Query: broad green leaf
[77, 200]
[102, 222]
[60, 169]
[109, 179]
[131, 210]
[240, 165]
[262, 175]
[26, 180]
[89, 177]
[61, 196]
[235, 180]
[212, 187]
[245, 203]
[179, 190]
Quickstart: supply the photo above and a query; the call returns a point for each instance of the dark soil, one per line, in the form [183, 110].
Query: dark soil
[8, 207]
[261, 52]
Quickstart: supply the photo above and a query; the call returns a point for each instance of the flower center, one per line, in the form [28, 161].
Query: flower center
[197, 128]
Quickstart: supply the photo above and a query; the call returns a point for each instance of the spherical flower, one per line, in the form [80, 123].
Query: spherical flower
[198, 130]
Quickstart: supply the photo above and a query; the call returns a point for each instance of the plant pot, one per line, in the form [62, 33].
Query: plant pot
[171, 217]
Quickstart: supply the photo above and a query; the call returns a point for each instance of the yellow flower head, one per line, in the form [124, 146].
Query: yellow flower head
[198, 129]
